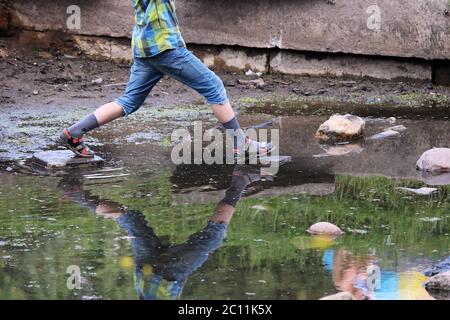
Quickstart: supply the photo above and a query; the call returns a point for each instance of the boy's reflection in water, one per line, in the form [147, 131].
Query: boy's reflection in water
[161, 270]
[350, 274]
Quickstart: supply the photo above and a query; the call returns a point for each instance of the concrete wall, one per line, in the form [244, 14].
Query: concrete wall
[408, 28]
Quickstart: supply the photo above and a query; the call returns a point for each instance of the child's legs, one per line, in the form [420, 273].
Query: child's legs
[142, 80]
[185, 67]
[108, 112]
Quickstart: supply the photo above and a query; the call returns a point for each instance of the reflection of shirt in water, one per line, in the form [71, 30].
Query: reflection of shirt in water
[389, 281]
[161, 271]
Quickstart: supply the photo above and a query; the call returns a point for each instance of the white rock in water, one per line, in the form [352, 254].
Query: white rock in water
[435, 160]
[422, 191]
[385, 134]
[325, 228]
[339, 296]
[399, 128]
[341, 128]
[339, 150]
[440, 281]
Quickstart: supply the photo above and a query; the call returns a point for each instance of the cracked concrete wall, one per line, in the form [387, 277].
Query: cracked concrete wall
[419, 28]
[403, 28]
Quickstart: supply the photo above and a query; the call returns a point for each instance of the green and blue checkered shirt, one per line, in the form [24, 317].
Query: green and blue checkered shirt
[156, 28]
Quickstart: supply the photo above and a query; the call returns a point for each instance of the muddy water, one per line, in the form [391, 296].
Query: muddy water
[146, 235]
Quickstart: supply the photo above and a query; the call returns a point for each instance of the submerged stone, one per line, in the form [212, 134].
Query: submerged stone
[399, 128]
[341, 128]
[439, 282]
[336, 150]
[61, 159]
[435, 179]
[325, 228]
[422, 191]
[385, 135]
[435, 160]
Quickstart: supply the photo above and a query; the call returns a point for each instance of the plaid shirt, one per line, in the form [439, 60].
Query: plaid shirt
[156, 28]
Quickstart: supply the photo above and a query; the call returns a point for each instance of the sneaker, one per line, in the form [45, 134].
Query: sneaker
[263, 149]
[76, 145]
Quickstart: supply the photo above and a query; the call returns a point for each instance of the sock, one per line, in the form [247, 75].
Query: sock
[239, 135]
[233, 194]
[85, 125]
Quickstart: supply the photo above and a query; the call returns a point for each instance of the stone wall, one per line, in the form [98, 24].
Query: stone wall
[418, 31]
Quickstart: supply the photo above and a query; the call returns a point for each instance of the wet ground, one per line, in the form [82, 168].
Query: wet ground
[145, 235]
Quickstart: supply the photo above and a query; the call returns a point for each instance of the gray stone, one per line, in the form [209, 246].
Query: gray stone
[61, 159]
[232, 59]
[341, 128]
[435, 179]
[435, 160]
[298, 63]
[439, 282]
[338, 150]
[385, 135]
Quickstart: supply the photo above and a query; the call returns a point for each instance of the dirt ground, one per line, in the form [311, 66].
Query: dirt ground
[41, 78]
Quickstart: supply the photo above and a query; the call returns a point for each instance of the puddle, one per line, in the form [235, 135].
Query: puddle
[147, 235]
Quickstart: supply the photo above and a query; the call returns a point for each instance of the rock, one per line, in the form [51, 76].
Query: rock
[259, 83]
[341, 128]
[435, 160]
[63, 159]
[97, 81]
[421, 191]
[399, 128]
[259, 208]
[339, 296]
[250, 73]
[440, 282]
[433, 179]
[441, 267]
[339, 150]
[325, 228]
[385, 135]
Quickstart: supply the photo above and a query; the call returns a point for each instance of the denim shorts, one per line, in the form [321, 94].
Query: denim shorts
[179, 64]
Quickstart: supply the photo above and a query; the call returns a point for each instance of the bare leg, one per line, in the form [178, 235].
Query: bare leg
[223, 213]
[223, 113]
[108, 113]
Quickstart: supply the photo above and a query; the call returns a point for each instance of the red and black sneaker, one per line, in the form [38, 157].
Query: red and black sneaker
[76, 145]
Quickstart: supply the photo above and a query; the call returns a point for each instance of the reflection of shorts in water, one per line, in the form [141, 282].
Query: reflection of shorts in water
[162, 270]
